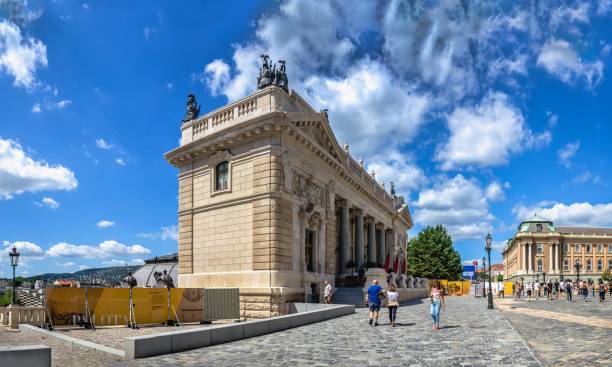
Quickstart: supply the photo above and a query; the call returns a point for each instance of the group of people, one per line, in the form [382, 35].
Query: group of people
[376, 294]
[552, 289]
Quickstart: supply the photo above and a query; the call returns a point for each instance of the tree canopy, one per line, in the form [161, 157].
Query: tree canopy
[431, 255]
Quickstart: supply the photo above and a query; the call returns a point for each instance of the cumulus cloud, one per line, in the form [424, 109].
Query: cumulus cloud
[120, 161]
[26, 249]
[494, 192]
[101, 251]
[487, 134]
[397, 168]
[458, 203]
[102, 144]
[105, 223]
[559, 58]
[165, 233]
[217, 76]
[567, 152]
[20, 56]
[36, 108]
[20, 173]
[575, 214]
[68, 264]
[48, 202]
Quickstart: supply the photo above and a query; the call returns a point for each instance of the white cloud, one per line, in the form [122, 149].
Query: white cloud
[68, 264]
[604, 7]
[117, 262]
[20, 173]
[105, 224]
[458, 203]
[20, 57]
[48, 202]
[567, 152]
[559, 59]
[397, 168]
[83, 267]
[61, 104]
[562, 16]
[217, 76]
[120, 161]
[575, 214]
[100, 143]
[487, 134]
[585, 177]
[494, 192]
[103, 250]
[26, 249]
[169, 86]
[36, 108]
[165, 233]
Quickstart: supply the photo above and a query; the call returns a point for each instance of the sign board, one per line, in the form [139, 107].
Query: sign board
[469, 272]
[110, 306]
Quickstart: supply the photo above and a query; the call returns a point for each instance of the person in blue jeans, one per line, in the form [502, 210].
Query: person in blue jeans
[373, 301]
[437, 301]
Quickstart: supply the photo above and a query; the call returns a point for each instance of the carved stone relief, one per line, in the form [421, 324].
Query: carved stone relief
[309, 192]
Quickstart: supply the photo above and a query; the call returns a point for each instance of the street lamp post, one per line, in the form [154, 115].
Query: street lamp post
[577, 266]
[488, 248]
[484, 276]
[14, 261]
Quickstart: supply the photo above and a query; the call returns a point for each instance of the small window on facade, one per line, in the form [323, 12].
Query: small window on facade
[600, 248]
[589, 265]
[588, 247]
[609, 249]
[540, 248]
[565, 248]
[599, 265]
[540, 265]
[610, 264]
[538, 227]
[221, 176]
[309, 237]
[565, 265]
[577, 248]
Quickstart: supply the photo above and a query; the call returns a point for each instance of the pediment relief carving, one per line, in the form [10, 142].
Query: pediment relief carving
[310, 194]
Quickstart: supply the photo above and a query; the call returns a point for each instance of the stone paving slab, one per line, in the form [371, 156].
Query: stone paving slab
[471, 336]
[566, 340]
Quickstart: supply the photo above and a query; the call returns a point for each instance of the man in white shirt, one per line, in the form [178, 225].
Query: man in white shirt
[328, 292]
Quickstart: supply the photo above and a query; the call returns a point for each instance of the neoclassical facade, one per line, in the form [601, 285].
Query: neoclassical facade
[539, 248]
[270, 202]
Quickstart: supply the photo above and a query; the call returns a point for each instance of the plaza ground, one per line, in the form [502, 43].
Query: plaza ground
[537, 333]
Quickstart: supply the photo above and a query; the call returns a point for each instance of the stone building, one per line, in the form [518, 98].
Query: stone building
[270, 202]
[539, 248]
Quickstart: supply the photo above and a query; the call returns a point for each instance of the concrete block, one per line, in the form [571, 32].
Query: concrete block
[148, 345]
[300, 319]
[280, 323]
[256, 328]
[26, 356]
[316, 316]
[226, 333]
[190, 339]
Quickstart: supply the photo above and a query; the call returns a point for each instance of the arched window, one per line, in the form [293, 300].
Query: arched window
[221, 176]
[538, 227]
[565, 264]
[589, 265]
[540, 265]
[599, 265]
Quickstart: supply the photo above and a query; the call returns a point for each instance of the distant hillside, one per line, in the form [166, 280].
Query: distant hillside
[108, 276]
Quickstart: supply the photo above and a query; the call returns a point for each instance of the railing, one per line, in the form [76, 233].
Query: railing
[12, 316]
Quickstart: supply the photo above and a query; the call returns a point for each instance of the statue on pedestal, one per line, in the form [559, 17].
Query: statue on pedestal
[167, 280]
[193, 109]
[266, 76]
[280, 79]
[130, 281]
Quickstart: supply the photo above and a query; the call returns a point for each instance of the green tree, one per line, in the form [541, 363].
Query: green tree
[500, 277]
[606, 276]
[431, 255]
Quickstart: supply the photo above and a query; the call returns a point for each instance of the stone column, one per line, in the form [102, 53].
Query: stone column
[359, 244]
[371, 240]
[529, 258]
[557, 248]
[345, 250]
[523, 257]
[381, 244]
[550, 261]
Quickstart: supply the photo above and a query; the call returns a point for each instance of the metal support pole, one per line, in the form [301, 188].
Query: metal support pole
[14, 300]
[490, 298]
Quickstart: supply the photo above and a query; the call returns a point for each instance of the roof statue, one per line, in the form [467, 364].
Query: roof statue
[392, 189]
[167, 280]
[269, 75]
[193, 109]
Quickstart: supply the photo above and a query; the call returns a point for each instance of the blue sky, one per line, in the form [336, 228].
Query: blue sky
[481, 116]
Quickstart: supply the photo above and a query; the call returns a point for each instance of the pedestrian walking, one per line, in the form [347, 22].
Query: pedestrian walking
[556, 289]
[392, 303]
[585, 291]
[437, 301]
[536, 290]
[500, 290]
[602, 291]
[328, 292]
[610, 288]
[549, 289]
[529, 289]
[373, 299]
[568, 290]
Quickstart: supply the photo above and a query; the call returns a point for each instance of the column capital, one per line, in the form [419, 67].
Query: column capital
[369, 220]
[358, 212]
[380, 226]
[341, 203]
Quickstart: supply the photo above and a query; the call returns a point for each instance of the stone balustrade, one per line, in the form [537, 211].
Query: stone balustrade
[12, 316]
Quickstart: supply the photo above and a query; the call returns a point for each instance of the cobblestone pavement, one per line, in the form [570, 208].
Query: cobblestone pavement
[62, 355]
[471, 336]
[564, 333]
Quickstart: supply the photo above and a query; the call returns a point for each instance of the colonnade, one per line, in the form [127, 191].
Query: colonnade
[528, 258]
[374, 232]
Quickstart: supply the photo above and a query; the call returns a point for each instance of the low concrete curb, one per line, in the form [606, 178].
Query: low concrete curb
[57, 337]
[176, 341]
[26, 356]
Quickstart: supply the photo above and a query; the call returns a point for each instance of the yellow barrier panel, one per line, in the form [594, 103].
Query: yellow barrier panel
[453, 287]
[110, 306]
[507, 289]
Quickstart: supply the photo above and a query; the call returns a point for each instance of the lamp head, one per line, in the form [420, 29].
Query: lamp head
[14, 256]
[489, 239]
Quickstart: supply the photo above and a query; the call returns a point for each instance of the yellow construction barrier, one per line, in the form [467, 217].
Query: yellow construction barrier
[453, 287]
[110, 306]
